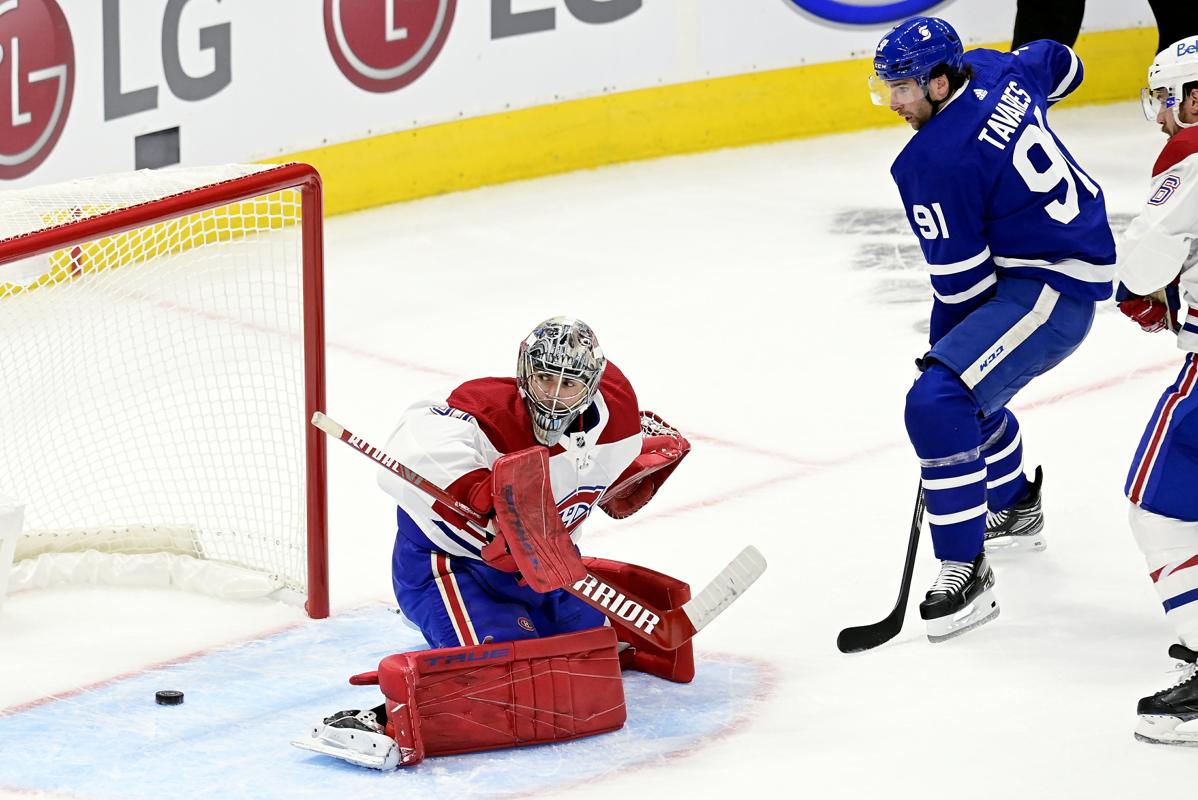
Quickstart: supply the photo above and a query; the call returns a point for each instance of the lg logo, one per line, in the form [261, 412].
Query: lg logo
[37, 78]
[384, 45]
[37, 75]
[215, 39]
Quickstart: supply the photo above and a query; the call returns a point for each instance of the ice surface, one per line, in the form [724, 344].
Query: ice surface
[223, 741]
[768, 302]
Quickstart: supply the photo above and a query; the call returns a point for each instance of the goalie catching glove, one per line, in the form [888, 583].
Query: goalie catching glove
[662, 448]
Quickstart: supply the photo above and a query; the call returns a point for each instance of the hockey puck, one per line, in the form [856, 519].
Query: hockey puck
[168, 697]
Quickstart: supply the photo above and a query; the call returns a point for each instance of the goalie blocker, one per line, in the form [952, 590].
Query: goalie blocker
[505, 694]
[531, 538]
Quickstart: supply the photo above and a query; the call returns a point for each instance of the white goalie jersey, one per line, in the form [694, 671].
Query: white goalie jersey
[453, 442]
[1159, 246]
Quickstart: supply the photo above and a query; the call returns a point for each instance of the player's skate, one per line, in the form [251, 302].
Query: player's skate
[962, 598]
[353, 736]
[1171, 715]
[1021, 527]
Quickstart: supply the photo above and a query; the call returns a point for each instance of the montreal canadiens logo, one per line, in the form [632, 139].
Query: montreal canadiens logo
[383, 45]
[37, 80]
[526, 624]
[865, 12]
[575, 508]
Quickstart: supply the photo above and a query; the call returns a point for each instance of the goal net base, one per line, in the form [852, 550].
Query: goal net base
[147, 570]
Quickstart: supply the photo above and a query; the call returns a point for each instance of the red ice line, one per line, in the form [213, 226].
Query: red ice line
[183, 659]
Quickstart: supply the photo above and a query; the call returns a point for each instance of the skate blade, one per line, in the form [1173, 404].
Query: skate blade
[983, 609]
[388, 761]
[1033, 543]
[1162, 729]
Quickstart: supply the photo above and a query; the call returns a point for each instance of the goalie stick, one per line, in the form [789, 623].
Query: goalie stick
[668, 628]
[865, 637]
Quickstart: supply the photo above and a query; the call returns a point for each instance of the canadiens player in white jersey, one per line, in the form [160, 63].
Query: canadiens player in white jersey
[1158, 270]
[1016, 240]
[459, 584]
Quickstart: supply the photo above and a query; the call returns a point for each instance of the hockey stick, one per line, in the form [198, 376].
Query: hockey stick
[668, 628]
[864, 637]
[1174, 317]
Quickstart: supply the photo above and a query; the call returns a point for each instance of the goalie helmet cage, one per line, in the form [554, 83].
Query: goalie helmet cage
[161, 353]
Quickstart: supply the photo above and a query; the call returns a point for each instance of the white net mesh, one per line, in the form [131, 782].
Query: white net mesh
[154, 379]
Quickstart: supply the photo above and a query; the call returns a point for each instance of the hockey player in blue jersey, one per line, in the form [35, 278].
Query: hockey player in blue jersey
[1016, 239]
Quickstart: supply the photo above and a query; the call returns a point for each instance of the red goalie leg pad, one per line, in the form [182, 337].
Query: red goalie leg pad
[466, 699]
[663, 592]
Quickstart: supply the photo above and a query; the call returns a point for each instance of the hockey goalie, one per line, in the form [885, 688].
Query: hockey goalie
[515, 659]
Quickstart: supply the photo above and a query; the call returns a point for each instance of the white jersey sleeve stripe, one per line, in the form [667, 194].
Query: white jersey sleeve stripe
[970, 293]
[1070, 267]
[960, 266]
[1063, 87]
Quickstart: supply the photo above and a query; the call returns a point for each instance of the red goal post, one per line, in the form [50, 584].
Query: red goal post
[162, 349]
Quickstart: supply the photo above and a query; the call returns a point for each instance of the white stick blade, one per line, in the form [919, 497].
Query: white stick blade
[723, 591]
[327, 425]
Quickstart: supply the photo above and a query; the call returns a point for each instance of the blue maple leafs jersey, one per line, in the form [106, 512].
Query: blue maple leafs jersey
[990, 190]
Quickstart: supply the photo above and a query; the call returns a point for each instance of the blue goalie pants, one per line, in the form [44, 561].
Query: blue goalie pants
[461, 601]
[969, 445]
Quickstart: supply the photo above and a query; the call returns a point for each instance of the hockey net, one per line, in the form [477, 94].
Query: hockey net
[161, 350]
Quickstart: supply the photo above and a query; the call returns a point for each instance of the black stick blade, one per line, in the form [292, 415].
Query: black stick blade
[867, 637]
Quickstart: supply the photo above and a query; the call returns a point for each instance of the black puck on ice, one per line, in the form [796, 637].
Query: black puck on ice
[168, 697]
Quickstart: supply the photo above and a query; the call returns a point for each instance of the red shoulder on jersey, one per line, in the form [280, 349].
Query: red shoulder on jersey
[1179, 147]
[503, 417]
[496, 404]
[621, 405]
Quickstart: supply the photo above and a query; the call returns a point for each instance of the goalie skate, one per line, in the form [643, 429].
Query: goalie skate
[961, 599]
[353, 736]
[1171, 715]
[1020, 528]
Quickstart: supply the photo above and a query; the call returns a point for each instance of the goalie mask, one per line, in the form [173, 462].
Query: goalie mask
[1171, 70]
[558, 373]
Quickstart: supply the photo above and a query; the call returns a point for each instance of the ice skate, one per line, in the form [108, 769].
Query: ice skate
[1020, 528]
[962, 598]
[353, 736]
[1171, 715]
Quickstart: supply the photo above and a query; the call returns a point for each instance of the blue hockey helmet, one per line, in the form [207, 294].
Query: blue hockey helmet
[913, 48]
